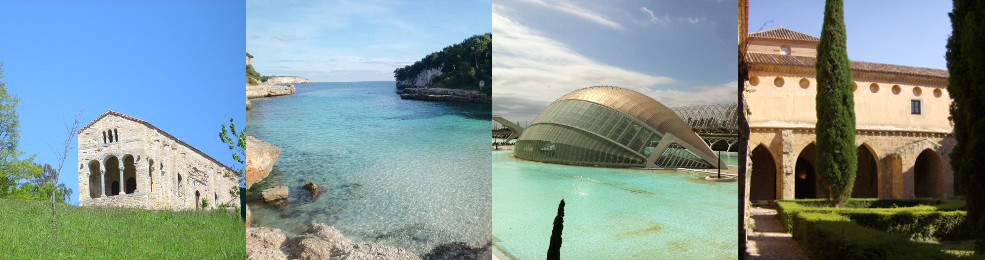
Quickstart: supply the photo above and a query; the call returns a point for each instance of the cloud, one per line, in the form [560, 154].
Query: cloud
[531, 70]
[287, 38]
[579, 12]
[653, 18]
[691, 20]
[726, 93]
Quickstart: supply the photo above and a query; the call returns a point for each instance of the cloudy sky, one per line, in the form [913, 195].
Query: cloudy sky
[342, 40]
[678, 52]
[906, 32]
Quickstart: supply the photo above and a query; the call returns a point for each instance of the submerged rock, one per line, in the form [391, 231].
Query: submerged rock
[458, 250]
[321, 241]
[274, 194]
[311, 191]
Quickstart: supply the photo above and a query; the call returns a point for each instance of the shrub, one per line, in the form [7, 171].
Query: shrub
[788, 209]
[833, 236]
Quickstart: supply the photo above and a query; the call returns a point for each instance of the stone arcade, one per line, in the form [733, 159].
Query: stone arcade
[903, 134]
[127, 162]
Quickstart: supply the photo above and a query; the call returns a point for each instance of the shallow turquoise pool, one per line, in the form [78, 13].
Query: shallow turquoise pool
[611, 213]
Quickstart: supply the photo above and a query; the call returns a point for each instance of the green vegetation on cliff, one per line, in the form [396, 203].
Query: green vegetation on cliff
[463, 65]
[252, 76]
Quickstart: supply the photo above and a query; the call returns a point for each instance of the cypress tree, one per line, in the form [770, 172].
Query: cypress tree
[966, 64]
[554, 249]
[835, 108]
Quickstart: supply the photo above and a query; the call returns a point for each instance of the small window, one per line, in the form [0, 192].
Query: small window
[104, 137]
[784, 50]
[915, 107]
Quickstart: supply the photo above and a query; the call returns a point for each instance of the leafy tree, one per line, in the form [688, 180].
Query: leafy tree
[47, 175]
[463, 65]
[236, 141]
[237, 144]
[835, 108]
[12, 170]
[966, 64]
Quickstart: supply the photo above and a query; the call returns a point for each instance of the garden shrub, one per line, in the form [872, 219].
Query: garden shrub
[833, 236]
[788, 209]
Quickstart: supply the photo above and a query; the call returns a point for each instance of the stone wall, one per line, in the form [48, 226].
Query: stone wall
[169, 172]
[135, 200]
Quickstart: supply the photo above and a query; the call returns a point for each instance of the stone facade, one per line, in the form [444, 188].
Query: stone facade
[159, 171]
[903, 136]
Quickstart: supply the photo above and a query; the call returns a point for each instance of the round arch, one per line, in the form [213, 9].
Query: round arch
[112, 174]
[763, 179]
[95, 180]
[129, 174]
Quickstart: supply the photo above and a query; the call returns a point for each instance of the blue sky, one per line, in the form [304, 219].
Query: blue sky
[678, 52]
[175, 64]
[328, 41]
[912, 33]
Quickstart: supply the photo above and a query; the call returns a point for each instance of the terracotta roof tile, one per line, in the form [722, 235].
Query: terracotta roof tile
[111, 112]
[858, 66]
[783, 34]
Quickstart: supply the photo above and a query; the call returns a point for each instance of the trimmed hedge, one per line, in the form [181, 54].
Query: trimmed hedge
[833, 236]
[882, 208]
[916, 225]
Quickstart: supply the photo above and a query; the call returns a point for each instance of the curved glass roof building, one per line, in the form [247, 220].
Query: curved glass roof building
[613, 127]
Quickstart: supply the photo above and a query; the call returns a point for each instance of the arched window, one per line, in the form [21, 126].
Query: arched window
[116, 135]
[104, 137]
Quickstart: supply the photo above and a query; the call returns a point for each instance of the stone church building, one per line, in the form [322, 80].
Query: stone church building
[903, 135]
[127, 162]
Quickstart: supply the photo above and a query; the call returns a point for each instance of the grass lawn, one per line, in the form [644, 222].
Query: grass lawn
[102, 233]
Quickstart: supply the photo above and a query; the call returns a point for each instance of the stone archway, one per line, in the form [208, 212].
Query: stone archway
[866, 174]
[763, 180]
[129, 174]
[806, 178]
[112, 176]
[95, 180]
[927, 173]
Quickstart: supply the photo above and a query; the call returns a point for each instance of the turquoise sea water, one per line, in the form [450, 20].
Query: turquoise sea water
[413, 174]
[611, 213]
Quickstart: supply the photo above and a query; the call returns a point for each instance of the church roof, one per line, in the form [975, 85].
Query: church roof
[783, 34]
[111, 112]
[857, 66]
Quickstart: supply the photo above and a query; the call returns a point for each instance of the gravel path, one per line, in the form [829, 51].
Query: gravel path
[769, 240]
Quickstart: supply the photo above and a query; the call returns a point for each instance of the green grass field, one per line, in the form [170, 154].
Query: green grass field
[102, 233]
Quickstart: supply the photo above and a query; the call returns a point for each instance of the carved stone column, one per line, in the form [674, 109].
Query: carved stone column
[122, 181]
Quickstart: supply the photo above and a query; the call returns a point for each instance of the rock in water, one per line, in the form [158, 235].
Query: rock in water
[311, 191]
[274, 194]
[264, 243]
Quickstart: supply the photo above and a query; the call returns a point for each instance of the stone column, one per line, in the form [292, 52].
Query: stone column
[102, 180]
[122, 181]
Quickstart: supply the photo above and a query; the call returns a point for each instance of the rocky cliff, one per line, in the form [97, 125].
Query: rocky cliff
[285, 80]
[267, 90]
[260, 158]
[461, 72]
[444, 94]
